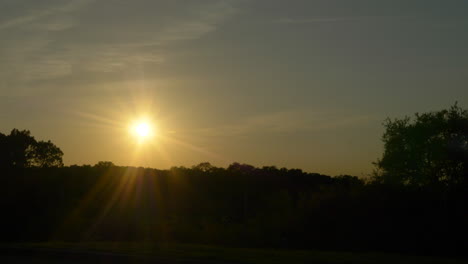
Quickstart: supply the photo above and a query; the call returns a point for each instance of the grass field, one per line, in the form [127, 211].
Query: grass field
[215, 254]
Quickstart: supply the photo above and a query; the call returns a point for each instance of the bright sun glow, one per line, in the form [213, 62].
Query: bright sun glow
[142, 130]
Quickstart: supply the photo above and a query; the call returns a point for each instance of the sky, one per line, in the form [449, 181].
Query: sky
[296, 84]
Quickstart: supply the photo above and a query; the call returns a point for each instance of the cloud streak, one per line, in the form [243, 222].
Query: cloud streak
[36, 15]
[80, 37]
[292, 121]
[336, 19]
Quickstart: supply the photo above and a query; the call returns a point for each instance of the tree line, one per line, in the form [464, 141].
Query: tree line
[415, 202]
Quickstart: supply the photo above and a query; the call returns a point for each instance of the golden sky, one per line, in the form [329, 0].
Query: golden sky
[297, 84]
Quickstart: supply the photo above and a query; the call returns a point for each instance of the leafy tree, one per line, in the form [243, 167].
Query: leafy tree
[46, 154]
[16, 148]
[430, 149]
[19, 149]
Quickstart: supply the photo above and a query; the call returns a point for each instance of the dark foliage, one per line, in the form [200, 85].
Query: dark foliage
[238, 206]
[20, 150]
[431, 150]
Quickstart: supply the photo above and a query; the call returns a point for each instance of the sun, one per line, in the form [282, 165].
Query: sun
[142, 130]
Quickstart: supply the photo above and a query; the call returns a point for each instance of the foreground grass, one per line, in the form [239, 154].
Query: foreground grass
[218, 254]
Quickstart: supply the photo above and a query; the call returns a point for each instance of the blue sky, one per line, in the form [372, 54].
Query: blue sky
[303, 84]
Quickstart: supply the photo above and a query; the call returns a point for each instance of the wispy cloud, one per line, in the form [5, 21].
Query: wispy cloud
[34, 15]
[297, 120]
[313, 20]
[61, 39]
[335, 19]
[205, 19]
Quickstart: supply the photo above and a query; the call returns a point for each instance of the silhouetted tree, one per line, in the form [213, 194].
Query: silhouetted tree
[104, 164]
[19, 149]
[430, 149]
[204, 167]
[46, 154]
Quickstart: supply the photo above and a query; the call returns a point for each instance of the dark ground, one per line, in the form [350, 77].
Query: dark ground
[102, 252]
[52, 256]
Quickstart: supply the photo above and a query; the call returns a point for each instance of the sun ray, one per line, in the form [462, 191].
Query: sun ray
[101, 119]
[192, 147]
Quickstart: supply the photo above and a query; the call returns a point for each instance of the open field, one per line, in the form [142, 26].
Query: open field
[103, 252]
